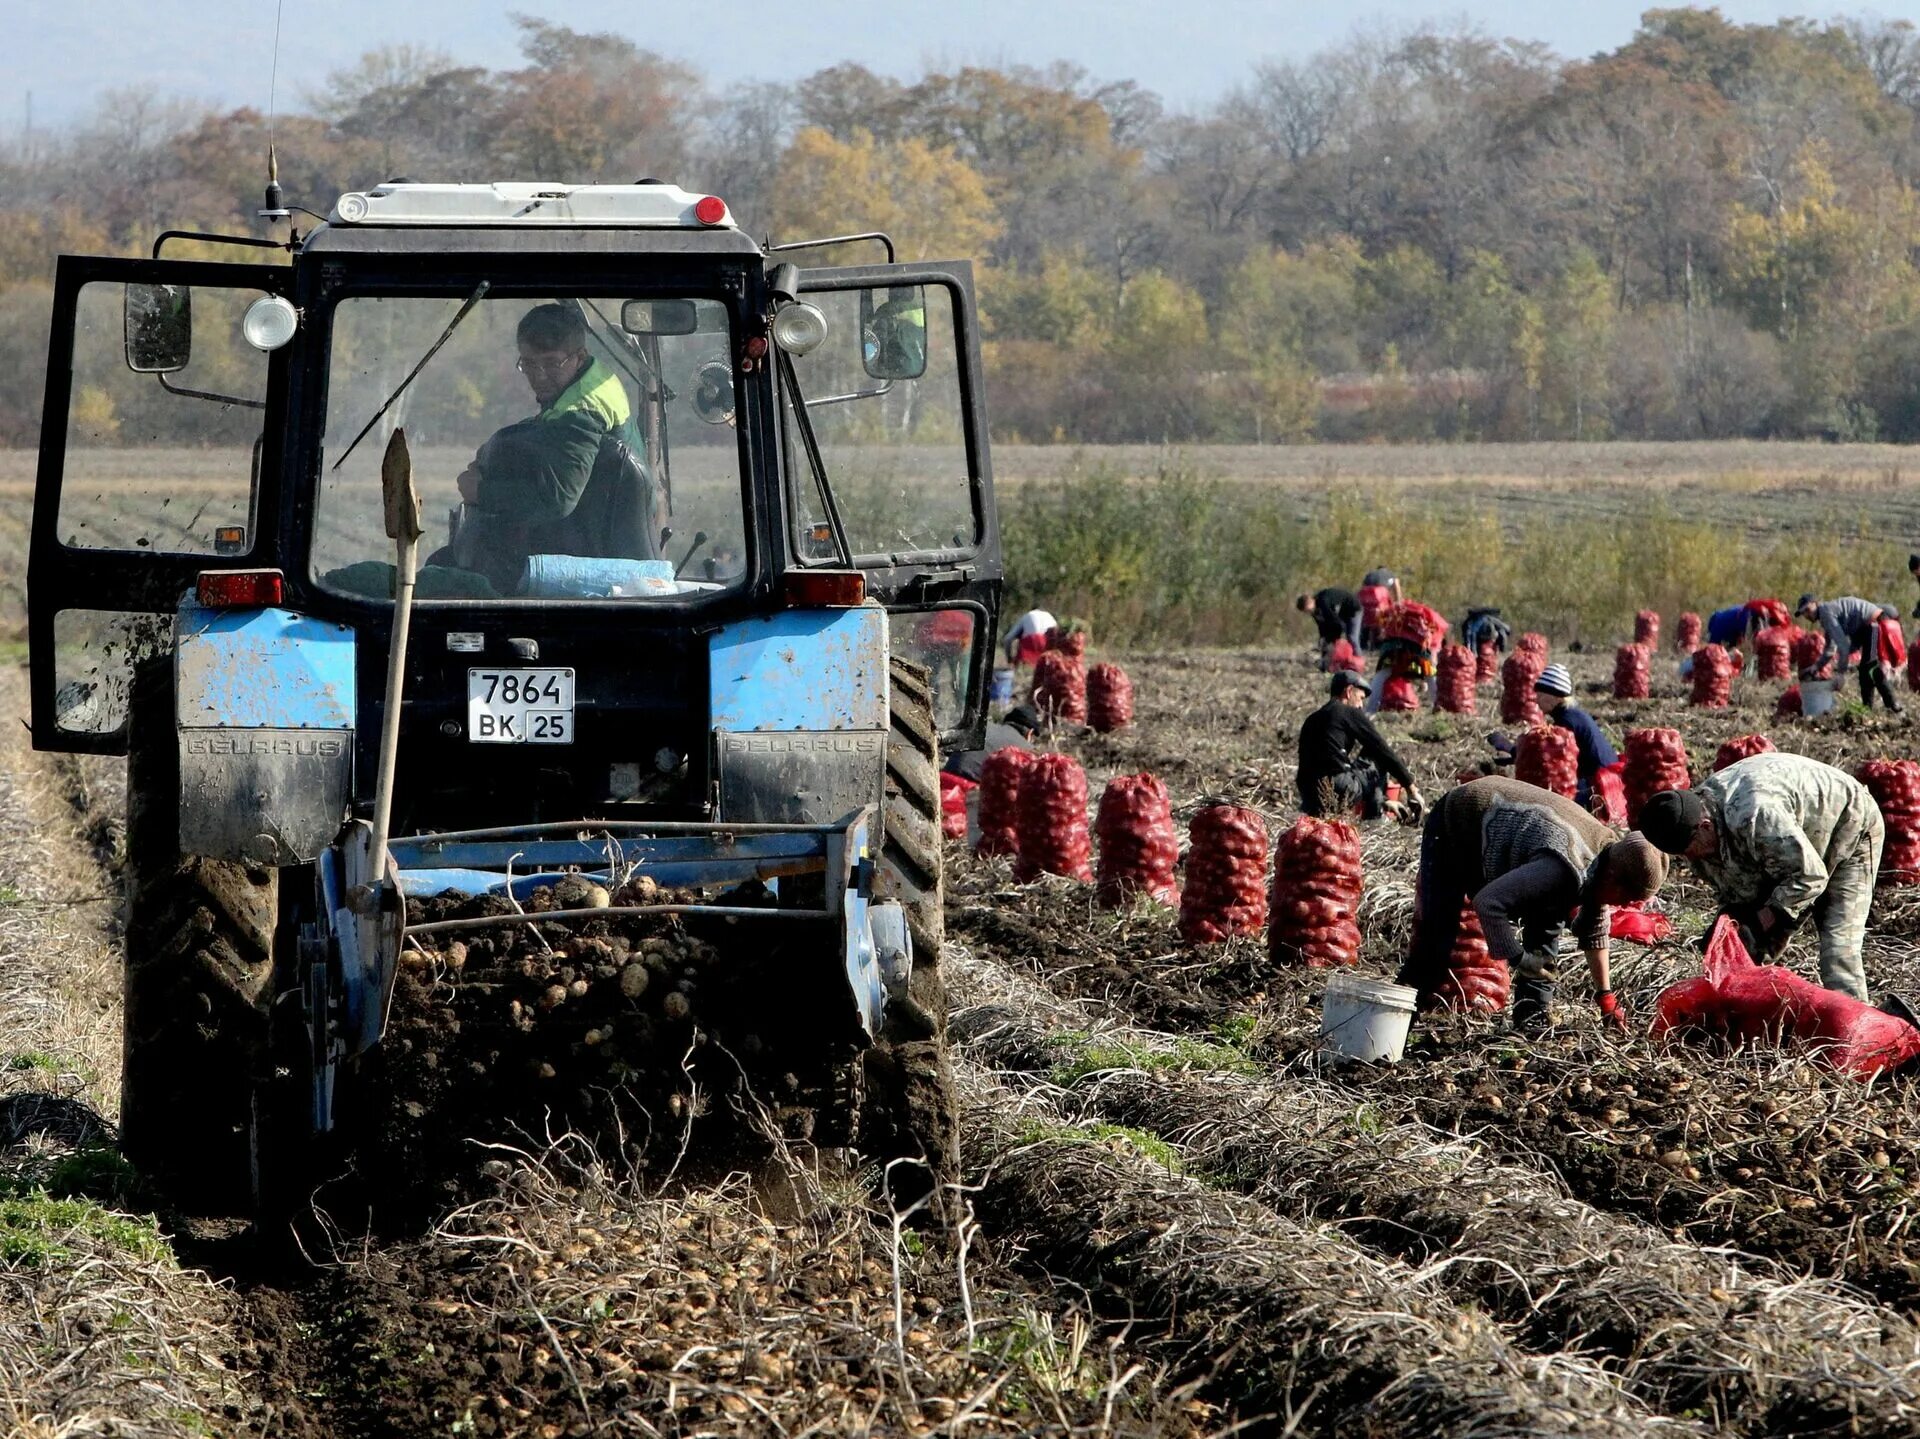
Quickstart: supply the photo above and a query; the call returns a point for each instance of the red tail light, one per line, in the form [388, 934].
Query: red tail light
[709, 209]
[824, 589]
[240, 589]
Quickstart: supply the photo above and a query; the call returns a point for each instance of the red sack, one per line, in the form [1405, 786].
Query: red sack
[1475, 979]
[1399, 695]
[1773, 653]
[1741, 747]
[1418, 624]
[1375, 601]
[1053, 820]
[1109, 698]
[1808, 646]
[1138, 844]
[1740, 1001]
[1608, 796]
[998, 813]
[1656, 760]
[1486, 663]
[1632, 672]
[1533, 643]
[1639, 925]
[953, 804]
[1895, 786]
[947, 630]
[1315, 901]
[1789, 702]
[1712, 677]
[1686, 633]
[1341, 655]
[1646, 629]
[1549, 757]
[1068, 642]
[1453, 689]
[1059, 689]
[1518, 703]
[1893, 644]
[1226, 891]
[1772, 613]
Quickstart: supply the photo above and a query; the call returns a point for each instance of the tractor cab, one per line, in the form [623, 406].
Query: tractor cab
[694, 518]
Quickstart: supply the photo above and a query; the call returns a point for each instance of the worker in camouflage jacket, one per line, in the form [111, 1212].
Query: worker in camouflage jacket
[1528, 859]
[1779, 837]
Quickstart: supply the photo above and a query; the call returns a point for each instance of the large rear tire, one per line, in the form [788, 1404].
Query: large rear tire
[199, 964]
[910, 1112]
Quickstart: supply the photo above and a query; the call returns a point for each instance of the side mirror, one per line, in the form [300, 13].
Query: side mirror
[893, 332]
[659, 317]
[159, 327]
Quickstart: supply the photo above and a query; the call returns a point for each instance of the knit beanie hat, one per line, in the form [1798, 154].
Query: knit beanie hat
[1555, 680]
[1669, 819]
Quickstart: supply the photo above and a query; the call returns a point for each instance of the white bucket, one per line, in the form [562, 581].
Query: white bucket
[1366, 1018]
[1816, 697]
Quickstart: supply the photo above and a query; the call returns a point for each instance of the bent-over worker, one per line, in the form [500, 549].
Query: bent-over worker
[1528, 859]
[1336, 614]
[1779, 837]
[1343, 761]
[1851, 623]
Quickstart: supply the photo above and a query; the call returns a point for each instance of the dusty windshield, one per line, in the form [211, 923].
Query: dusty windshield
[575, 448]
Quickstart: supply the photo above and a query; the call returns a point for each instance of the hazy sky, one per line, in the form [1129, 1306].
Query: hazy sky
[66, 52]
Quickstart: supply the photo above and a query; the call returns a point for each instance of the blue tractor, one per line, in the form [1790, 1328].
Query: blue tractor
[718, 579]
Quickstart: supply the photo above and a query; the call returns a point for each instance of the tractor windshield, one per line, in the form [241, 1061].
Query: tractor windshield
[573, 448]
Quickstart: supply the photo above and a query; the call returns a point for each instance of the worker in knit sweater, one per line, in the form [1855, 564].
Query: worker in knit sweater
[1528, 859]
[1781, 837]
[1555, 691]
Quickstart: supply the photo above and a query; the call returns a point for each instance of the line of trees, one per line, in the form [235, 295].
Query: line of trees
[1432, 234]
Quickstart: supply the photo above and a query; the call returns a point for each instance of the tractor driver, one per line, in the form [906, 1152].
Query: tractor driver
[568, 480]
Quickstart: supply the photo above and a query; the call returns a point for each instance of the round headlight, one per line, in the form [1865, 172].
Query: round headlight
[799, 328]
[351, 207]
[270, 322]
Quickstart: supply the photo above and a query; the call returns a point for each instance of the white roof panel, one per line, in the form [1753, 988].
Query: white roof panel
[519, 203]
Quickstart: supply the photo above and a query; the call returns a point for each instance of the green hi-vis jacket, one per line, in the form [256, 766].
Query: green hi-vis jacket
[535, 475]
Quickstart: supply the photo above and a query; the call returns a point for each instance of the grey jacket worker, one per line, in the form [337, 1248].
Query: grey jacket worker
[1802, 837]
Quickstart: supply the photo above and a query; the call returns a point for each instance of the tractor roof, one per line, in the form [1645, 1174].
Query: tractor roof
[521, 203]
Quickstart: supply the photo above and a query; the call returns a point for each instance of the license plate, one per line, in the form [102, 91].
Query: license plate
[526, 706]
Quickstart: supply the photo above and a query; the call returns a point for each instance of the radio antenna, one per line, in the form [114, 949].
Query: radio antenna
[275, 206]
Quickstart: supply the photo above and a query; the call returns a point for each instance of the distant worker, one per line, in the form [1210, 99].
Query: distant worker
[1913, 568]
[1779, 837]
[1336, 614]
[1555, 690]
[1483, 625]
[1528, 859]
[1343, 762]
[1851, 623]
[1736, 624]
[1027, 640]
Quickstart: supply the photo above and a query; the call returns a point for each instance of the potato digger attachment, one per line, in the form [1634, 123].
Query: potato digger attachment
[623, 796]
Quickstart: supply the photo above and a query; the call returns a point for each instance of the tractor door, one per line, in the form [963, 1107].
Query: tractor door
[898, 412]
[154, 440]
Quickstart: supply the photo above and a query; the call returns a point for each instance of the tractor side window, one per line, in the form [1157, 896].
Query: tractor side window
[165, 463]
[571, 448]
[941, 642]
[894, 448]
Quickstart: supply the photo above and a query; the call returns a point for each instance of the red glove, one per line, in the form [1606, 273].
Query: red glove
[1611, 1013]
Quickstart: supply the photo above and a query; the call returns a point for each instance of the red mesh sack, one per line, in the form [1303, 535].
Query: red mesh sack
[1486, 664]
[1518, 705]
[1773, 653]
[1475, 979]
[1632, 672]
[1807, 648]
[1399, 694]
[1313, 908]
[1740, 1002]
[1656, 759]
[1226, 892]
[1138, 844]
[1712, 677]
[1375, 601]
[1549, 757]
[1686, 632]
[1341, 655]
[1637, 923]
[1053, 820]
[1646, 629]
[998, 813]
[1533, 643]
[1895, 785]
[1109, 698]
[953, 804]
[1068, 642]
[1773, 613]
[1788, 703]
[1741, 747]
[1421, 624]
[1893, 644]
[1060, 686]
[1453, 689]
[1607, 797]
